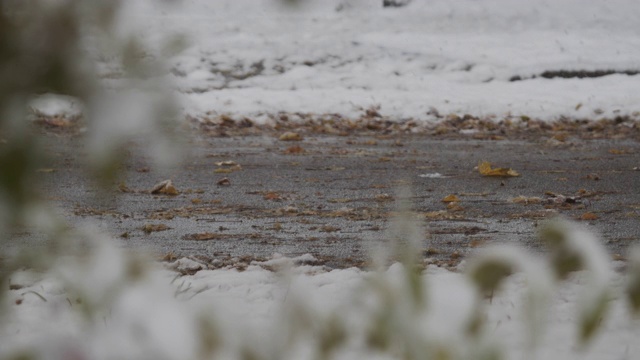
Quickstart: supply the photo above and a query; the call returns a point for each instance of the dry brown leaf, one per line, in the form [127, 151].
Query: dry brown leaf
[290, 136]
[589, 216]
[486, 170]
[224, 182]
[329, 228]
[56, 121]
[202, 236]
[165, 188]
[383, 197]
[273, 196]
[149, 228]
[619, 151]
[450, 198]
[526, 200]
[340, 200]
[296, 149]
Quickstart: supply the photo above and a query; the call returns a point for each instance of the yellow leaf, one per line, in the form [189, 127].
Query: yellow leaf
[290, 136]
[486, 170]
[450, 198]
[619, 151]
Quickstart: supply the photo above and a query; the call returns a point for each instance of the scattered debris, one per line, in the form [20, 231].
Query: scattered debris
[559, 199]
[224, 182]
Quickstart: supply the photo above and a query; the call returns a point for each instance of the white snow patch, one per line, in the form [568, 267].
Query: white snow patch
[255, 56]
[432, 176]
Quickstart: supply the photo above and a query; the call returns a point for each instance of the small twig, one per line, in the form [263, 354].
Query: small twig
[35, 293]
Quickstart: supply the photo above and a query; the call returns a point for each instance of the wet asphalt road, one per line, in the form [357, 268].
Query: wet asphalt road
[333, 196]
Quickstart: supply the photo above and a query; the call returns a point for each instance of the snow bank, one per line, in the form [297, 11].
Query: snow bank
[340, 56]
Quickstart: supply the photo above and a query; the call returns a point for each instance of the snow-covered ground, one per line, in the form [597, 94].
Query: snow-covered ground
[340, 56]
[165, 316]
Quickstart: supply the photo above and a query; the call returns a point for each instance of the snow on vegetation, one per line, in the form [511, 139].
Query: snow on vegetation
[102, 302]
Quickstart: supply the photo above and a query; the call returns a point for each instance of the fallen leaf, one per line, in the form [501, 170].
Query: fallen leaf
[202, 236]
[329, 228]
[296, 149]
[165, 188]
[619, 151]
[450, 198]
[273, 196]
[589, 216]
[226, 163]
[454, 207]
[340, 200]
[56, 121]
[149, 228]
[290, 136]
[124, 188]
[526, 200]
[196, 201]
[486, 170]
[227, 169]
[224, 182]
[384, 197]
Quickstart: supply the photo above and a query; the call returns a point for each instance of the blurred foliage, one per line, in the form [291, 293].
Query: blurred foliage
[45, 48]
[55, 48]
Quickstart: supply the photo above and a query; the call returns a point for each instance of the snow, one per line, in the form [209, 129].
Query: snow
[255, 56]
[162, 315]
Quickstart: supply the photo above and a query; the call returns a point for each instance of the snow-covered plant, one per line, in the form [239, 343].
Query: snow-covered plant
[59, 54]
